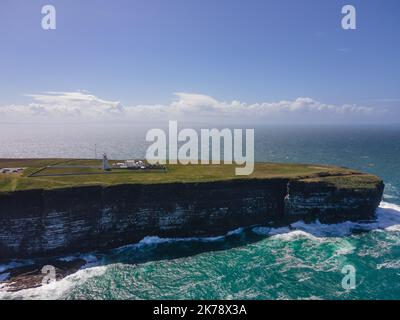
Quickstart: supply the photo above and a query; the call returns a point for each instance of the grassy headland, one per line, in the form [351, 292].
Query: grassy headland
[36, 174]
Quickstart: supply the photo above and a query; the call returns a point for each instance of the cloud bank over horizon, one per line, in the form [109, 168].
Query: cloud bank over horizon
[83, 106]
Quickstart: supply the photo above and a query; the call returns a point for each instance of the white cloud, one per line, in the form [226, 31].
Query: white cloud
[82, 105]
[62, 104]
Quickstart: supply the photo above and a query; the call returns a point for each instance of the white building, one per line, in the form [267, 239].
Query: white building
[106, 165]
[131, 164]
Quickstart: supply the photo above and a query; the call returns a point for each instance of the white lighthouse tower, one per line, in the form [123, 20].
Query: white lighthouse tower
[106, 165]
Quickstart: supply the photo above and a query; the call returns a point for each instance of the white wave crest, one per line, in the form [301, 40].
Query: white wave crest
[387, 218]
[155, 240]
[389, 265]
[271, 231]
[389, 196]
[57, 289]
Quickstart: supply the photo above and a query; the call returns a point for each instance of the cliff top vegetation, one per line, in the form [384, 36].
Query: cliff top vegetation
[51, 174]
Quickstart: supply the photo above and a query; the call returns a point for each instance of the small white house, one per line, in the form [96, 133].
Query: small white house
[131, 164]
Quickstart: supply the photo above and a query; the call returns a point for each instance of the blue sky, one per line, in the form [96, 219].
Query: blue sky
[141, 52]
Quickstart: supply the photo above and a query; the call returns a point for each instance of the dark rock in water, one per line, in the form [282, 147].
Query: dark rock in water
[38, 223]
[32, 276]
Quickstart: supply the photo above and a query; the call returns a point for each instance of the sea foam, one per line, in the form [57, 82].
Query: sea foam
[55, 290]
[387, 218]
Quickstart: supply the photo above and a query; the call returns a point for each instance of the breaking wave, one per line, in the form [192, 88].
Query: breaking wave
[387, 218]
[55, 290]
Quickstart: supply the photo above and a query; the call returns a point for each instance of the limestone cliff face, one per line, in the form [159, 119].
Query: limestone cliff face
[310, 200]
[41, 223]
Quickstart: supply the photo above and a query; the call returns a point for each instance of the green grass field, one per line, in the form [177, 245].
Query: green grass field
[340, 177]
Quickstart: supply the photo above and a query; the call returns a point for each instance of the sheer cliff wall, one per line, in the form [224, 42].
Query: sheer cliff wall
[49, 222]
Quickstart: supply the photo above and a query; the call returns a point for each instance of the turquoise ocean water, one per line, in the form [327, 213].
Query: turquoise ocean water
[303, 262]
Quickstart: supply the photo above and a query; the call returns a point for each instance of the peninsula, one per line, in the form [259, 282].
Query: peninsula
[60, 206]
